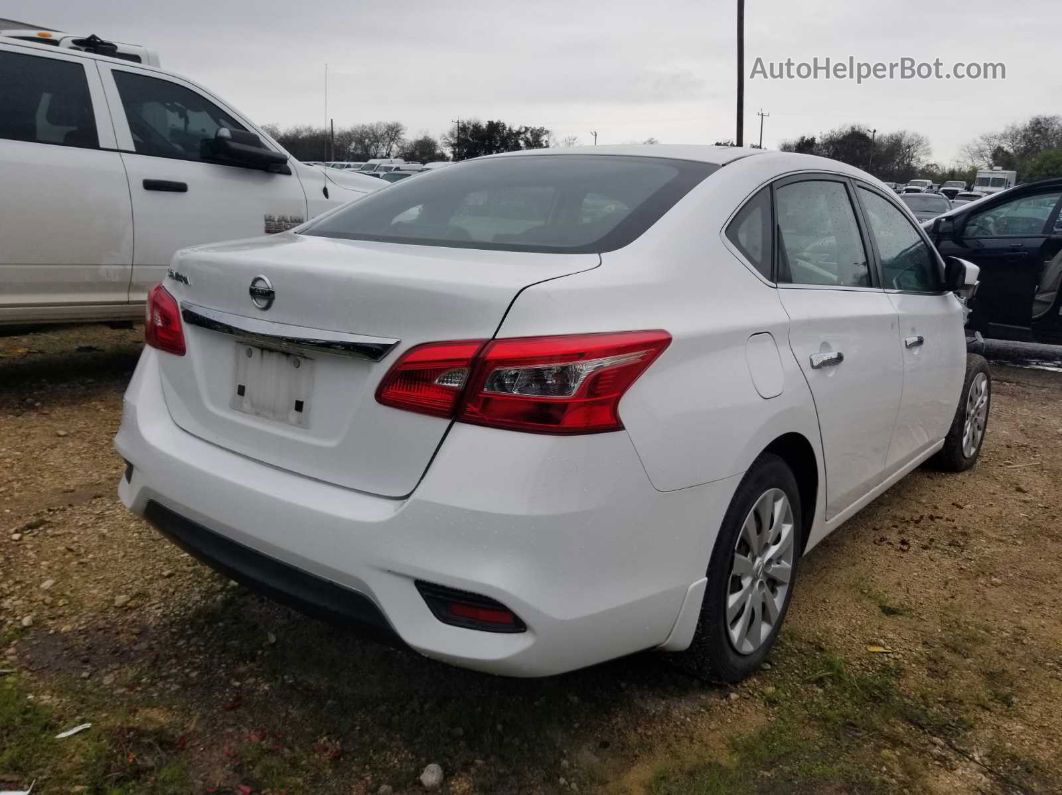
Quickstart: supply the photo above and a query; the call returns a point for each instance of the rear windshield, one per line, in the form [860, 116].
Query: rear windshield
[921, 201]
[563, 204]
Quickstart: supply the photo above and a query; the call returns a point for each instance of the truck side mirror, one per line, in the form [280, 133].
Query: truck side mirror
[242, 148]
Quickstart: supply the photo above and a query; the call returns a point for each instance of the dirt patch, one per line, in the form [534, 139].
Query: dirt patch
[921, 651]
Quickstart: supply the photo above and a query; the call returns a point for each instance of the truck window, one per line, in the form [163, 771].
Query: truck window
[166, 119]
[45, 100]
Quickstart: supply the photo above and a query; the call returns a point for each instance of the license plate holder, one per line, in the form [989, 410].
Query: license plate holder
[272, 384]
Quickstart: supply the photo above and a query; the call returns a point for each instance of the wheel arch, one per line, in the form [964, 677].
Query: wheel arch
[799, 454]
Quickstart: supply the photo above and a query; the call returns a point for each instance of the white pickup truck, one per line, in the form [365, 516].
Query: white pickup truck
[108, 167]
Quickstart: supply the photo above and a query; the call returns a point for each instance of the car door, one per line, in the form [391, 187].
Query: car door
[65, 233]
[843, 331]
[1012, 241]
[1047, 301]
[931, 337]
[179, 198]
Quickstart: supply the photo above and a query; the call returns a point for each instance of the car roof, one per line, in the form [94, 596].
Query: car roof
[51, 49]
[703, 153]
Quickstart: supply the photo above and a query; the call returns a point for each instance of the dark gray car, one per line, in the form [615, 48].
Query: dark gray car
[926, 205]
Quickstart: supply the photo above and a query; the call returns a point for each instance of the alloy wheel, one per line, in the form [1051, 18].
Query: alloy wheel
[973, 429]
[760, 571]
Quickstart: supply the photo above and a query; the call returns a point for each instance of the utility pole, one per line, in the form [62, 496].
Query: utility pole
[457, 137]
[762, 116]
[739, 139]
[331, 139]
[594, 133]
[873, 138]
[326, 93]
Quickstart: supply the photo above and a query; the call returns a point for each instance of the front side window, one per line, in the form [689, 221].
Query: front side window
[1024, 217]
[818, 237]
[751, 230]
[545, 203]
[46, 101]
[907, 263]
[168, 120]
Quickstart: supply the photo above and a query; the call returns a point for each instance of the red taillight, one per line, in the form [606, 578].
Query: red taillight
[162, 322]
[429, 378]
[564, 385]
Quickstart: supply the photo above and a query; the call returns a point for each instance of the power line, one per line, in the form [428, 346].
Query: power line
[762, 116]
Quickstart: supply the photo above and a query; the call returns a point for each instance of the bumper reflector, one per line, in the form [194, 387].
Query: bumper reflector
[469, 610]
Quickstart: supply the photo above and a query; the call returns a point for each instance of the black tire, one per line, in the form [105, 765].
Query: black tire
[952, 457]
[712, 654]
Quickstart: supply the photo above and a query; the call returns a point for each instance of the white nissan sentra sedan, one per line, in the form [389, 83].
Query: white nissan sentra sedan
[539, 410]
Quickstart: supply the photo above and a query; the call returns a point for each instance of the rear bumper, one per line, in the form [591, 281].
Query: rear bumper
[312, 595]
[568, 533]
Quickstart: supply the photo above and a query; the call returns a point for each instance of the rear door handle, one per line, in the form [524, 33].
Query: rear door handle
[166, 185]
[831, 359]
[914, 342]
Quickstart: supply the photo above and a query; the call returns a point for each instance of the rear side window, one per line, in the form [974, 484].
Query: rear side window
[907, 263]
[168, 120]
[750, 231]
[562, 204]
[46, 101]
[818, 237]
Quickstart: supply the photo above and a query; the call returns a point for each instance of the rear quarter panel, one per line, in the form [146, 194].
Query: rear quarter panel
[695, 415]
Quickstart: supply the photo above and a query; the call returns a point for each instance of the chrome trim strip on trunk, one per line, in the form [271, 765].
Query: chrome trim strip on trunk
[271, 334]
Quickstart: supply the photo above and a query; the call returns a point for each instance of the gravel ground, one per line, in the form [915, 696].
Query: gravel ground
[922, 651]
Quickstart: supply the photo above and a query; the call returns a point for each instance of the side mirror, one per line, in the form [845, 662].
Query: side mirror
[960, 277]
[945, 228]
[243, 148]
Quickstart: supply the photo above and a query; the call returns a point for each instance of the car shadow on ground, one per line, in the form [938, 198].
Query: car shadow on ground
[252, 678]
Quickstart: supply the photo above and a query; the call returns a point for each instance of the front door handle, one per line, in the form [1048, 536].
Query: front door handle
[166, 185]
[831, 359]
[915, 341]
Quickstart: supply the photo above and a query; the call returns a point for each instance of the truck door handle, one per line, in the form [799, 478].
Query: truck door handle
[831, 359]
[914, 342]
[166, 185]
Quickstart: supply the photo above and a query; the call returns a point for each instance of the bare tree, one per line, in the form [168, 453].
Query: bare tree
[569, 140]
[377, 139]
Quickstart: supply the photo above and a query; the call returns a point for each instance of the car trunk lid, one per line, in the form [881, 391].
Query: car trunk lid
[290, 380]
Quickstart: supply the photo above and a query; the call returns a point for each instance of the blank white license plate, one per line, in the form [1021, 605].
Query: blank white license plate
[273, 385]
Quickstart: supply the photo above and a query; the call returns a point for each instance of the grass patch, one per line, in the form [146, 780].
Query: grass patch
[26, 733]
[105, 759]
[832, 728]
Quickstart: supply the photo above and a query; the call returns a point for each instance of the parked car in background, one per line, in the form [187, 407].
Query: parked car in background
[926, 205]
[965, 198]
[372, 165]
[918, 184]
[394, 173]
[386, 168]
[1015, 238]
[111, 166]
[952, 188]
[436, 164]
[994, 180]
[508, 443]
[346, 165]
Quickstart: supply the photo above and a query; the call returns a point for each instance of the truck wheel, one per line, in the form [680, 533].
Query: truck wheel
[962, 445]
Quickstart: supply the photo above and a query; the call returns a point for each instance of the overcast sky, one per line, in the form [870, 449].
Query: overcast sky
[629, 70]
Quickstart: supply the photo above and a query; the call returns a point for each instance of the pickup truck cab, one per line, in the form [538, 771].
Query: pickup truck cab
[111, 166]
